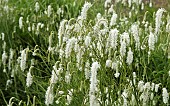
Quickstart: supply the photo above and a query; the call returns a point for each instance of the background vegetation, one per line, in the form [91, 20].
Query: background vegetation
[154, 68]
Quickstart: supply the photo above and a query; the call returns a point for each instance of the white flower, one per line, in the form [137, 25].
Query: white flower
[42, 25]
[135, 33]
[124, 96]
[130, 3]
[133, 100]
[69, 46]
[33, 27]
[124, 2]
[55, 74]
[87, 41]
[49, 10]
[87, 70]
[38, 28]
[54, 77]
[144, 97]
[117, 74]
[129, 57]
[50, 40]
[61, 53]
[111, 10]
[99, 16]
[158, 20]
[130, 14]
[23, 59]
[78, 25]
[125, 36]
[37, 7]
[4, 70]
[165, 95]
[168, 24]
[156, 87]
[20, 22]
[113, 19]
[67, 77]
[57, 102]
[27, 20]
[93, 78]
[84, 10]
[8, 82]
[33, 62]
[4, 45]
[29, 28]
[140, 86]
[60, 92]
[151, 41]
[136, 2]
[6, 8]
[61, 31]
[49, 96]
[76, 47]
[29, 79]
[114, 65]
[93, 101]
[102, 22]
[152, 96]
[59, 11]
[47, 28]
[9, 65]
[134, 74]
[147, 86]
[140, 2]
[142, 7]
[3, 36]
[109, 63]
[152, 86]
[106, 3]
[123, 48]
[4, 58]
[69, 97]
[93, 82]
[150, 4]
[134, 77]
[112, 38]
[79, 56]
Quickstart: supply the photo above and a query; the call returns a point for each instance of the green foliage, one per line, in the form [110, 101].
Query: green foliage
[43, 52]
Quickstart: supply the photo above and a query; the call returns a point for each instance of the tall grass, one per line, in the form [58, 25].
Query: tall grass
[66, 52]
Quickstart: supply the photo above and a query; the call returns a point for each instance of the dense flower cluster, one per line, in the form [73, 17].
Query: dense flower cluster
[115, 57]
